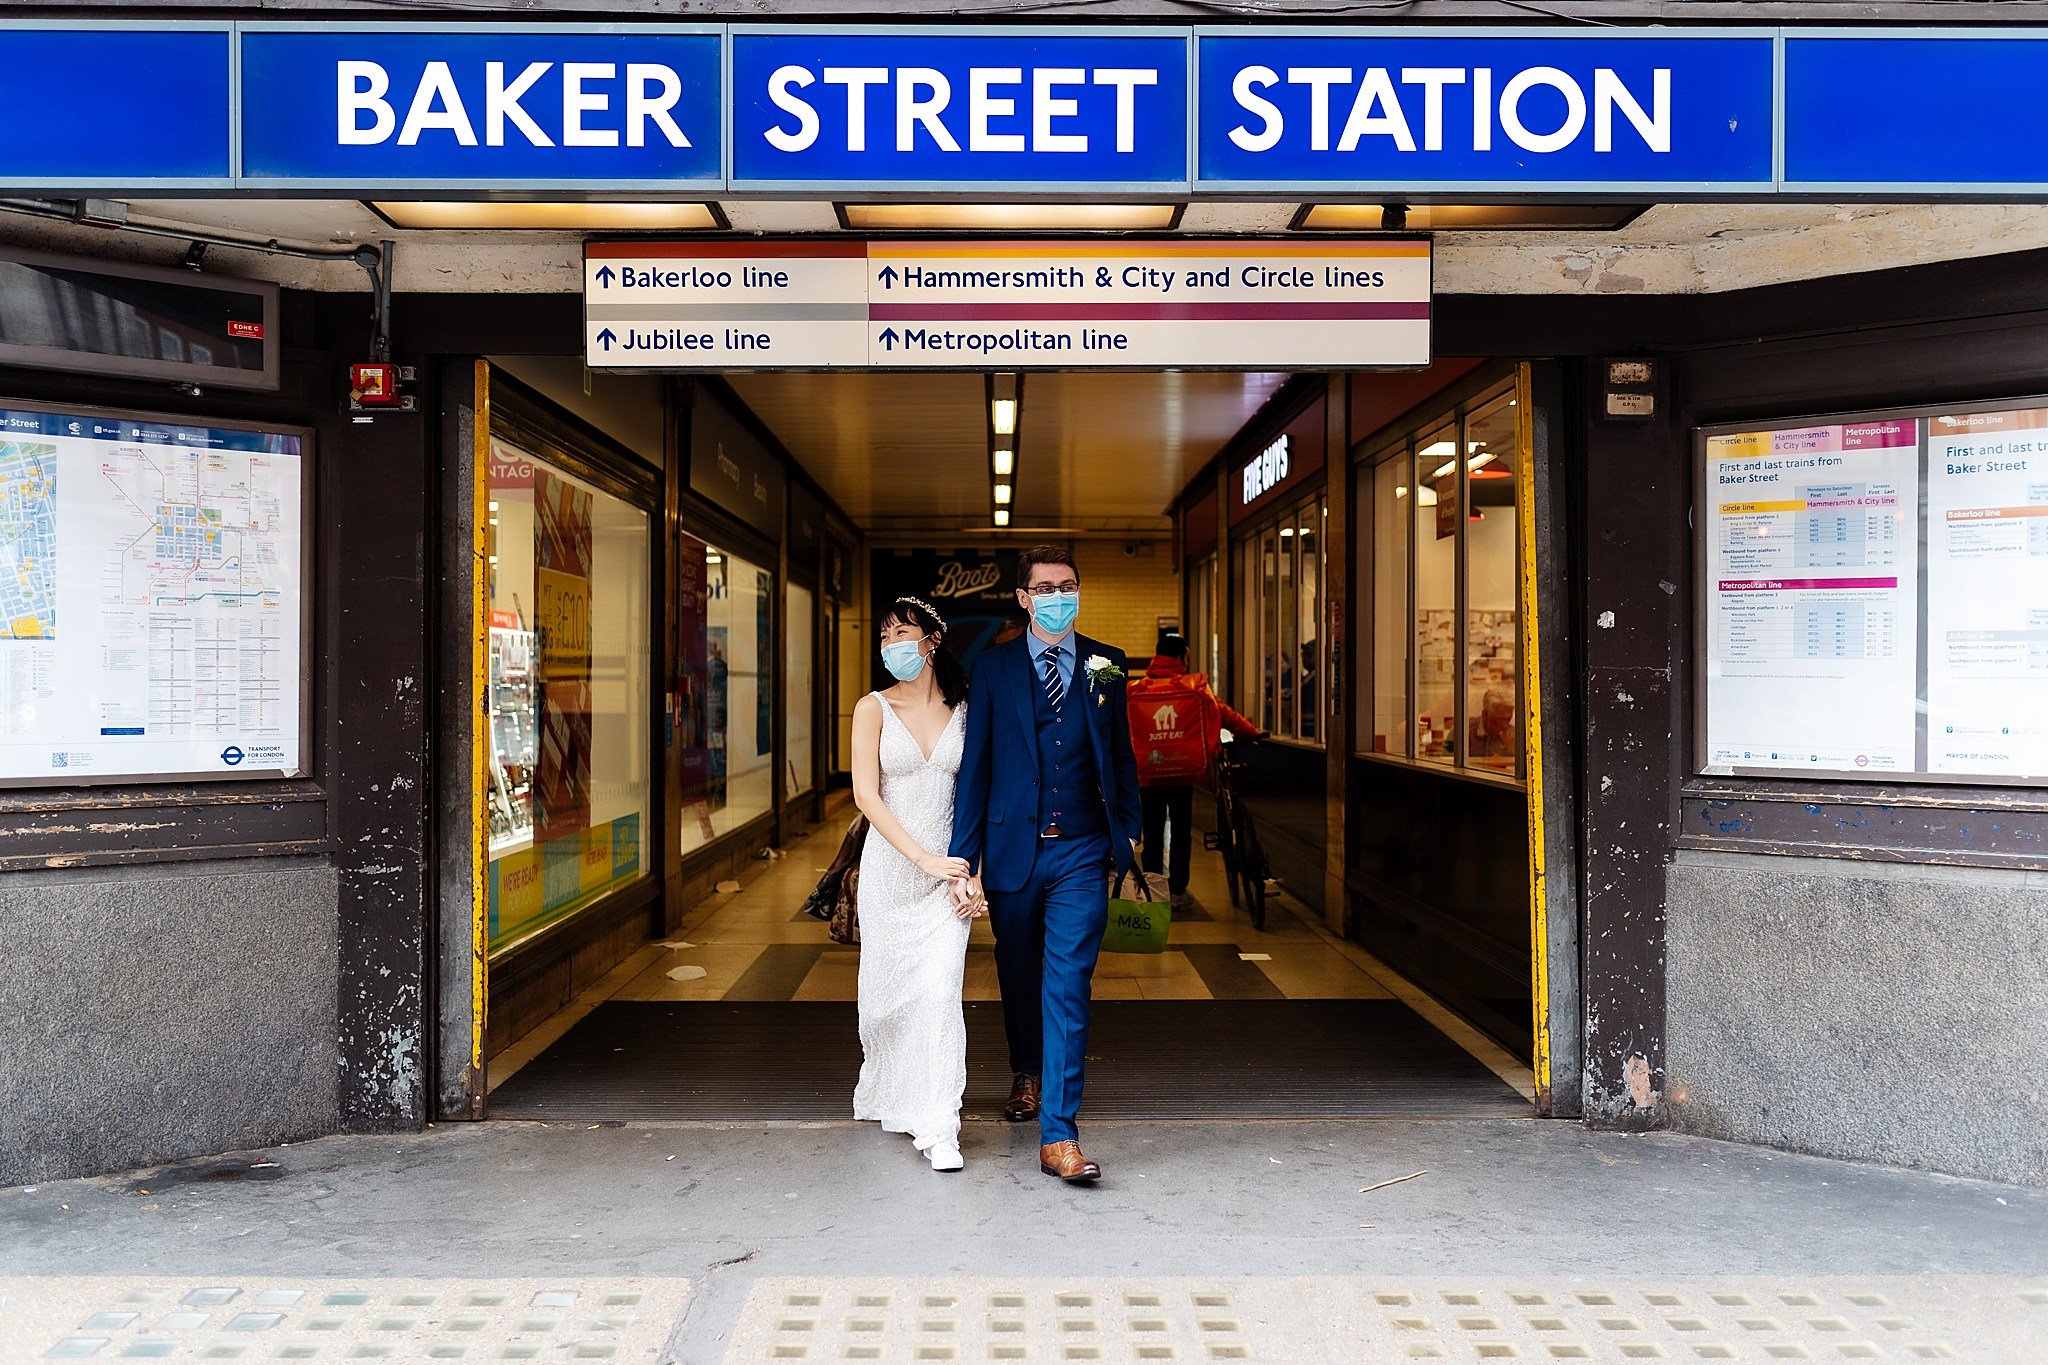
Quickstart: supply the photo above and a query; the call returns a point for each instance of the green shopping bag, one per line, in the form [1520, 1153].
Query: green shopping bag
[1136, 926]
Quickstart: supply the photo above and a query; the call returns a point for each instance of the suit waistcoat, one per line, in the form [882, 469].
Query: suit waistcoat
[1069, 784]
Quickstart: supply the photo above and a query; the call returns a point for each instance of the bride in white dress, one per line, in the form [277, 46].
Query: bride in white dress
[915, 906]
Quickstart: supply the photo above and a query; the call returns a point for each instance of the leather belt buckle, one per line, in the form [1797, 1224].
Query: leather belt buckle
[1051, 831]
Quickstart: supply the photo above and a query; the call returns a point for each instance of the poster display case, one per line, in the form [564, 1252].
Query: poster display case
[1873, 595]
[153, 605]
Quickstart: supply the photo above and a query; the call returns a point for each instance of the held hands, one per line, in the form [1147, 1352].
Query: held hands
[969, 901]
[942, 869]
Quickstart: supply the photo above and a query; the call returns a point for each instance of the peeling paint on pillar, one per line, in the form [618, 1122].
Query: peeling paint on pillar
[1634, 629]
[378, 485]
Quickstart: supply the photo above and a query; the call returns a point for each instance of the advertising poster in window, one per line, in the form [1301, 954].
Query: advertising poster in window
[693, 678]
[561, 584]
[151, 599]
[975, 590]
[1987, 593]
[1811, 589]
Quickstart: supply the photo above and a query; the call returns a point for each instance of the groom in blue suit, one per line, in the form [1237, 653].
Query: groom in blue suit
[1045, 808]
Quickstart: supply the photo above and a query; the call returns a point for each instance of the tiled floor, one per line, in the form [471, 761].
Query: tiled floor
[752, 942]
[759, 925]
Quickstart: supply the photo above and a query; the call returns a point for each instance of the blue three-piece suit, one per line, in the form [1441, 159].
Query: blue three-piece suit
[1032, 767]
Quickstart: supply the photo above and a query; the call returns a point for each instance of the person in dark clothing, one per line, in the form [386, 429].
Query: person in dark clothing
[1177, 725]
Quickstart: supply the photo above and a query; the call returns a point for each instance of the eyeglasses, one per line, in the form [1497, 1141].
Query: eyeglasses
[1048, 589]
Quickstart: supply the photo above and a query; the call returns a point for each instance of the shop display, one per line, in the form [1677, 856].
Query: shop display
[568, 781]
[514, 738]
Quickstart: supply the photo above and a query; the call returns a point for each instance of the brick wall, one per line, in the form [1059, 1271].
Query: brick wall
[1124, 595]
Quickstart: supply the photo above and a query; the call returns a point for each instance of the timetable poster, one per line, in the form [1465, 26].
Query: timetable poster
[1987, 593]
[1812, 598]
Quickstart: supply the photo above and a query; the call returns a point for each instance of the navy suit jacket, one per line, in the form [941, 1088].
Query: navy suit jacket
[995, 802]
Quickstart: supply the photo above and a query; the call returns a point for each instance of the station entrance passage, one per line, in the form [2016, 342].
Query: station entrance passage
[747, 1011]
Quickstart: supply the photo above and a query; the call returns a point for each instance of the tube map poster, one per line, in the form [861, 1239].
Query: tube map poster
[150, 599]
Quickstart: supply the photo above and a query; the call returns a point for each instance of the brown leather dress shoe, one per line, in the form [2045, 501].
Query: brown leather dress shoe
[1064, 1160]
[1023, 1101]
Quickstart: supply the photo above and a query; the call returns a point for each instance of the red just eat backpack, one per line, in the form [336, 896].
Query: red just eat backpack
[1169, 730]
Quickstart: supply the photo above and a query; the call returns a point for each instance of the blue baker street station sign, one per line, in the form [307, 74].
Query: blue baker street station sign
[1226, 112]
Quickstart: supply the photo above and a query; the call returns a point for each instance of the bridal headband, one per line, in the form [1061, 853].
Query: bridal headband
[926, 608]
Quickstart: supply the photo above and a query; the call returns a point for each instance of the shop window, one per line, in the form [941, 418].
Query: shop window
[1436, 595]
[1204, 648]
[727, 672]
[1308, 609]
[1442, 559]
[797, 686]
[1493, 739]
[1392, 497]
[1280, 595]
[569, 780]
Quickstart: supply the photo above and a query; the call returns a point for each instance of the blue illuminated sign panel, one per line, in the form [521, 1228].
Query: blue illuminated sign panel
[459, 107]
[963, 107]
[116, 105]
[1371, 109]
[1915, 112]
[1449, 111]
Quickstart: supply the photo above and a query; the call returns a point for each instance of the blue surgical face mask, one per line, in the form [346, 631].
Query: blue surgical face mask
[1055, 611]
[903, 659]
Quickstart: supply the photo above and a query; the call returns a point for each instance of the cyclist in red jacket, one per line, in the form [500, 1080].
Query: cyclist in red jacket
[1177, 726]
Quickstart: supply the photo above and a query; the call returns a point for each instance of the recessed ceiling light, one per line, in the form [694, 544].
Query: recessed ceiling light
[1463, 217]
[1002, 494]
[497, 215]
[1005, 461]
[1008, 217]
[1002, 415]
[1002, 516]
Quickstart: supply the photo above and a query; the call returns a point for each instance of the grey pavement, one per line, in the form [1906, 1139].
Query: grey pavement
[742, 1221]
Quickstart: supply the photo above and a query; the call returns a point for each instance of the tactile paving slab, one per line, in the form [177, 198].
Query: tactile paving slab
[624, 1321]
[1993, 1320]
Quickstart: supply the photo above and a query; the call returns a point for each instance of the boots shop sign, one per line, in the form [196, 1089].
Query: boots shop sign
[1372, 109]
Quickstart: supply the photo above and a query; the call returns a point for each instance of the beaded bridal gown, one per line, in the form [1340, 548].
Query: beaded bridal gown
[913, 949]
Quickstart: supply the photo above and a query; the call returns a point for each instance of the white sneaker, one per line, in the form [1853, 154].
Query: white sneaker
[945, 1156]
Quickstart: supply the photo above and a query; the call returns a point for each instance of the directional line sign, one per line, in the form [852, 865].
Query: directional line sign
[1159, 303]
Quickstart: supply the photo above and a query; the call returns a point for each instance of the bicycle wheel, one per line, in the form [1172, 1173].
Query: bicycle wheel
[1253, 871]
[1226, 839]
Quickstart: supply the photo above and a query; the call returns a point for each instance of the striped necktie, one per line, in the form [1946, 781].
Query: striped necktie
[1055, 685]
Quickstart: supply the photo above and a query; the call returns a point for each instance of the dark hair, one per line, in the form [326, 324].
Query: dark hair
[945, 665]
[1044, 554]
[1173, 645]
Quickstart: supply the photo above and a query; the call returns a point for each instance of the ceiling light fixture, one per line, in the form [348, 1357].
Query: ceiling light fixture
[1005, 462]
[1002, 516]
[504, 216]
[1008, 217]
[1002, 495]
[1464, 217]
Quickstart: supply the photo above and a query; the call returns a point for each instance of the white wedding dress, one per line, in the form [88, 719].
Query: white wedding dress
[913, 949]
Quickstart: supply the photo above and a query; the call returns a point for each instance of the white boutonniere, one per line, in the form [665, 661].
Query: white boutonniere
[1101, 673]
